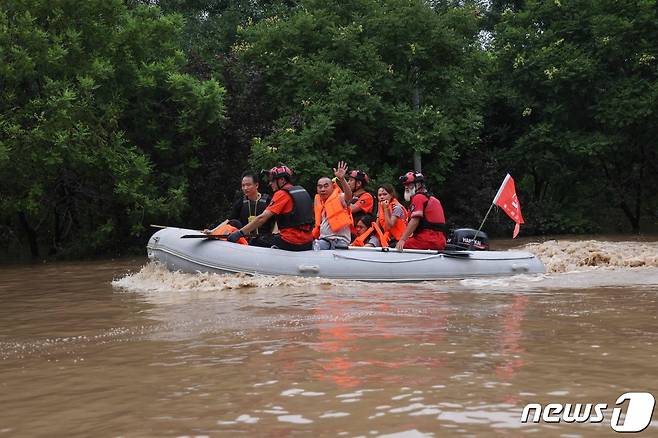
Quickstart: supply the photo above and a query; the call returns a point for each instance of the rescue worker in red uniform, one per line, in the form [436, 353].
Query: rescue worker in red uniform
[362, 202]
[291, 207]
[426, 228]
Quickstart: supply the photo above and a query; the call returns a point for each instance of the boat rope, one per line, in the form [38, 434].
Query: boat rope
[339, 256]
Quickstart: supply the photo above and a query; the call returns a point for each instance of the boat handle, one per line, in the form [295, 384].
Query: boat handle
[309, 268]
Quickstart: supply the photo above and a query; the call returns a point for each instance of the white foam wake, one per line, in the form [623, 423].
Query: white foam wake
[155, 277]
[568, 264]
[587, 255]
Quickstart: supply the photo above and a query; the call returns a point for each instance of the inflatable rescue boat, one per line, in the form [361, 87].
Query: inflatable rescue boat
[354, 263]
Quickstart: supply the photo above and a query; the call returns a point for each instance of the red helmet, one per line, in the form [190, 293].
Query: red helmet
[412, 177]
[359, 175]
[281, 171]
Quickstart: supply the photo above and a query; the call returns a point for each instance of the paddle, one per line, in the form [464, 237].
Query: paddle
[207, 236]
[158, 226]
[204, 236]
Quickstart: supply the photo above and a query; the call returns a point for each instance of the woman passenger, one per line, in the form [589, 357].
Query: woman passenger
[367, 232]
[391, 216]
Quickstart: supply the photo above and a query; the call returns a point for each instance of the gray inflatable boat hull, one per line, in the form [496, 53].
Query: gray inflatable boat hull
[365, 264]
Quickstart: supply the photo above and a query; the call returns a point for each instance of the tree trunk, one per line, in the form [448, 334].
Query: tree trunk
[415, 101]
[56, 233]
[31, 235]
[633, 217]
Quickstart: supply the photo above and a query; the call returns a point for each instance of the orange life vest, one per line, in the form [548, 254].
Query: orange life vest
[400, 224]
[228, 229]
[337, 215]
[361, 240]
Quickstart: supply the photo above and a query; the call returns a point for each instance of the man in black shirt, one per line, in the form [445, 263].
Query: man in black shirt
[251, 204]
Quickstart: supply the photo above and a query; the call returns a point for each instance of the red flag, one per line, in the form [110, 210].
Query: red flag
[507, 200]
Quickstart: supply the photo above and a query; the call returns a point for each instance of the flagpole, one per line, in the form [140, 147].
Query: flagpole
[481, 225]
[500, 190]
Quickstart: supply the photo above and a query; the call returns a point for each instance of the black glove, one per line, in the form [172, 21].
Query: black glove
[235, 236]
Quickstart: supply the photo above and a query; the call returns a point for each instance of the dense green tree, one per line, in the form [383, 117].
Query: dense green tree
[114, 114]
[367, 81]
[574, 101]
[99, 123]
[211, 28]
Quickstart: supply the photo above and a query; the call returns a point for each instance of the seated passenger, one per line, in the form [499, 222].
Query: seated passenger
[368, 233]
[333, 220]
[249, 205]
[362, 202]
[426, 228]
[291, 207]
[391, 215]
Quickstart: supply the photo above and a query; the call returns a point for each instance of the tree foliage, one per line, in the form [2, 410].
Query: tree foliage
[99, 124]
[342, 77]
[116, 114]
[577, 82]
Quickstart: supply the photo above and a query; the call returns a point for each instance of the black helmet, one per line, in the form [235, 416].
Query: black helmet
[412, 177]
[281, 171]
[359, 175]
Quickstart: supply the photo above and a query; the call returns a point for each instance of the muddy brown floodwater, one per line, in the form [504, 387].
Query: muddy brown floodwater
[125, 348]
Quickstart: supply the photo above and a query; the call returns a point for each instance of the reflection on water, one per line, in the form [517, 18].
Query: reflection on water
[170, 354]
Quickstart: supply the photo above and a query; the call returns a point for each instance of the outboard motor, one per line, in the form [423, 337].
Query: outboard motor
[461, 238]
